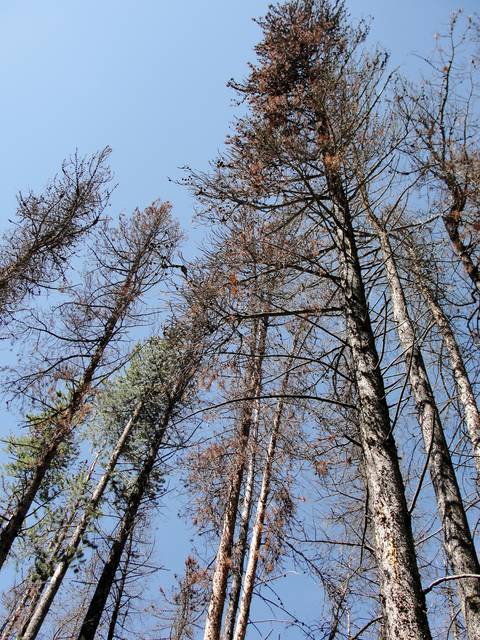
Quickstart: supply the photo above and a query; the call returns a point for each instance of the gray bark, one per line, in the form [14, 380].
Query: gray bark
[462, 381]
[402, 598]
[459, 546]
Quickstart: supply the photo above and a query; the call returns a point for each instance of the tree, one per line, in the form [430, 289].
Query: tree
[310, 98]
[130, 261]
[49, 227]
[183, 354]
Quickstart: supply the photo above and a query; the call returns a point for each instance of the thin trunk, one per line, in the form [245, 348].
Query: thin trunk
[459, 546]
[255, 543]
[29, 593]
[224, 555]
[68, 555]
[240, 548]
[402, 598]
[137, 493]
[11, 530]
[35, 583]
[464, 387]
[65, 423]
[119, 595]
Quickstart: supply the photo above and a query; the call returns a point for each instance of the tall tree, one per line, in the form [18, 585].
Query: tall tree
[184, 353]
[310, 96]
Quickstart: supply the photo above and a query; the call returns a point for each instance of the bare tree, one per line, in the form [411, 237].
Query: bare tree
[50, 225]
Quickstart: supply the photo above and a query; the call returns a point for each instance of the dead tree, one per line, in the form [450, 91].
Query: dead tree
[226, 544]
[49, 226]
[444, 143]
[309, 96]
[459, 546]
[261, 508]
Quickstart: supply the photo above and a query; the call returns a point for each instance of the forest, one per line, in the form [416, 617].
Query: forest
[305, 389]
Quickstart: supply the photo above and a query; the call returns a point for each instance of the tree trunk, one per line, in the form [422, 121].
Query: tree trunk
[240, 548]
[11, 530]
[256, 541]
[35, 583]
[402, 598]
[464, 387]
[224, 555]
[65, 423]
[459, 546]
[68, 555]
[107, 577]
[119, 595]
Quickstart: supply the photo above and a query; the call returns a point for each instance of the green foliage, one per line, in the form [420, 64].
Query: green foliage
[24, 450]
[149, 379]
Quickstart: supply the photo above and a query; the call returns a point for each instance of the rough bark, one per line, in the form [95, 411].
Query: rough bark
[459, 546]
[224, 554]
[119, 595]
[462, 381]
[402, 598]
[59, 571]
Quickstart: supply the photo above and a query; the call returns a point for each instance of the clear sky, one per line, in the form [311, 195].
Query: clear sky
[146, 77]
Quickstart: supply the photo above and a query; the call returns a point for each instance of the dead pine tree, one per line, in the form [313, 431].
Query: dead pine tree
[248, 578]
[459, 546]
[420, 280]
[442, 115]
[309, 96]
[248, 419]
[49, 226]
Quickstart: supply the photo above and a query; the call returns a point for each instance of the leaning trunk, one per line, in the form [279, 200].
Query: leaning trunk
[459, 546]
[24, 608]
[462, 381]
[224, 555]
[107, 577]
[68, 555]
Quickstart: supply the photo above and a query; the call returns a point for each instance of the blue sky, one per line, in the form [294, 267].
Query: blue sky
[149, 79]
